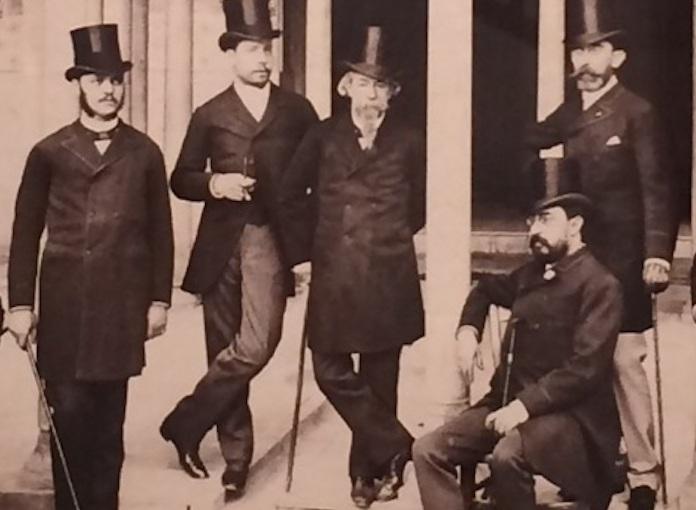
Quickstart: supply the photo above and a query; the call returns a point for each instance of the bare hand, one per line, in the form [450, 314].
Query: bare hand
[21, 324]
[656, 277]
[234, 186]
[507, 418]
[156, 320]
[468, 352]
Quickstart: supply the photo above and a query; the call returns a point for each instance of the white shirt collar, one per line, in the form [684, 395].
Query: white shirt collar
[590, 98]
[254, 98]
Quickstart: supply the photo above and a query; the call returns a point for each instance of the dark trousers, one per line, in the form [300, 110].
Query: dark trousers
[366, 399]
[243, 315]
[463, 442]
[89, 419]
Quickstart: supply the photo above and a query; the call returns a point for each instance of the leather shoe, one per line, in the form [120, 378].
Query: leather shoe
[642, 498]
[234, 483]
[189, 458]
[394, 479]
[362, 492]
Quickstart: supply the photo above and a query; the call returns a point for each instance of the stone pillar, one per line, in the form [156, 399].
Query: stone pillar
[448, 259]
[119, 12]
[138, 75]
[551, 68]
[318, 56]
[178, 103]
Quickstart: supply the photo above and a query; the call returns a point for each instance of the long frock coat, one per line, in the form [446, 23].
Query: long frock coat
[223, 133]
[108, 252]
[356, 226]
[565, 323]
[621, 153]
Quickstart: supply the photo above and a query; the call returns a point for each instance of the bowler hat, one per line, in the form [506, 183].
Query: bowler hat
[96, 51]
[591, 22]
[555, 182]
[246, 20]
[371, 56]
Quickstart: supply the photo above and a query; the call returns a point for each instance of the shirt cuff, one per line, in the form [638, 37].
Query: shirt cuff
[162, 304]
[660, 262]
[466, 327]
[211, 187]
[22, 308]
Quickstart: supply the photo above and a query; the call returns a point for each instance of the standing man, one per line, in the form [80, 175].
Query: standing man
[366, 173]
[614, 137]
[248, 134]
[551, 408]
[99, 187]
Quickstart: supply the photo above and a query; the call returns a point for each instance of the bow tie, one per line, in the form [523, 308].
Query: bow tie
[102, 135]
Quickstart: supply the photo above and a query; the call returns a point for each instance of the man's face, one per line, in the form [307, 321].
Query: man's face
[101, 96]
[253, 61]
[549, 231]
[369, 97]
[595, 64]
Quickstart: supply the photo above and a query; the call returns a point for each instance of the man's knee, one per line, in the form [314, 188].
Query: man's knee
[428, 447]
[508, 453]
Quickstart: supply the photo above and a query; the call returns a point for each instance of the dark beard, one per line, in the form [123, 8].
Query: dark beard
[579, 74]
[91, 113]
[553, 254]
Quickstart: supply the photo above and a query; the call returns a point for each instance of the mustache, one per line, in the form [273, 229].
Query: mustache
[536, 238]
[584, 70]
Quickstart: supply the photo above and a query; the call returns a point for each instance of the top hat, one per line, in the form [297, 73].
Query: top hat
[591, 22]
[371, 57]
[96, 51]
[555, 182]
[246, 20]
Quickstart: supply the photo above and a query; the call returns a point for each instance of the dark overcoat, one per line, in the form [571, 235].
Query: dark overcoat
[621, 153]
[108, 252]
[356, 226]
[224, 133]
[565, 328]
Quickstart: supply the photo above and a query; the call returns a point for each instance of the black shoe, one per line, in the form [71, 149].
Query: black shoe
[234, 483]
[362, 492]
[189, 458]
[394, 479]
[642, 498]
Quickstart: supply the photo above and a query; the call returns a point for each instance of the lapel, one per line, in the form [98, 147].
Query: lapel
[348, 141]
[81, 146]
[274, 107]
[536, 275]
[238, 119]
[602, 109]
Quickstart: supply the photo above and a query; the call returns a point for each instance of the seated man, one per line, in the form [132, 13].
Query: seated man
[551, 409]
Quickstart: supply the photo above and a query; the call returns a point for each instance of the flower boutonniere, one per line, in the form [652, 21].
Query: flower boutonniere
[550, 274]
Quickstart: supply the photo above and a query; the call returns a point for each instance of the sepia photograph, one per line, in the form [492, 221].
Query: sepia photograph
[339, 254]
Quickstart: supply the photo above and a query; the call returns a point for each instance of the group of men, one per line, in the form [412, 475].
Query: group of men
[283, 192]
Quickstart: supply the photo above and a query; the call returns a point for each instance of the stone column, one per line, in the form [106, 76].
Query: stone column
[119, 12]
[318, 56]
[551, 68]
[178, 97]
[448, 258]
[138, 75]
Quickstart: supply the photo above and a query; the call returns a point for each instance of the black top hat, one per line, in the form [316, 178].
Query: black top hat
[556, 182]
[591, 22]
[96, 51]
[371, 57]
[246, 20]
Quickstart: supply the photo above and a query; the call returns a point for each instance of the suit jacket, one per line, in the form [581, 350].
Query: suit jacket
[565, 328]
[621, 153]
[108, 252]
[357, 229]
[223, 132]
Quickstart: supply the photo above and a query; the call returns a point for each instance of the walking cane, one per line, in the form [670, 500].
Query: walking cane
[660, 414]
[296, 413]
[49, 416]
